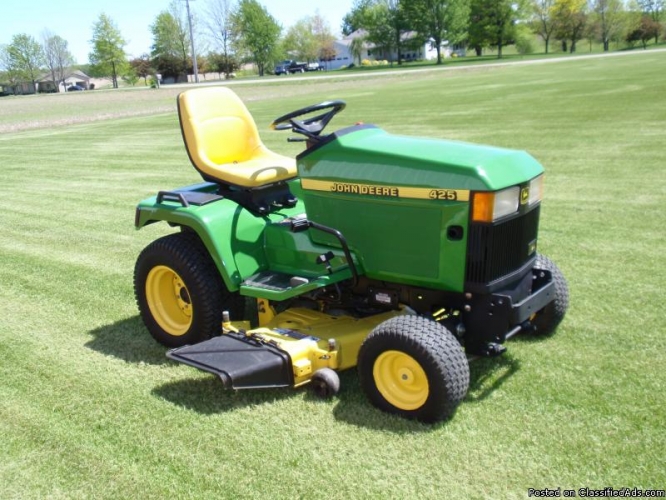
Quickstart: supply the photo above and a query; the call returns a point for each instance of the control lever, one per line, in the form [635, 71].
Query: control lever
[326, 259]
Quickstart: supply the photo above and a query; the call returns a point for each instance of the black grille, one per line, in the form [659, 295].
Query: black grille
[495, 250]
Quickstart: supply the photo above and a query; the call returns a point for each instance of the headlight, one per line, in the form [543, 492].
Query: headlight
[488, 207]
[536, 190]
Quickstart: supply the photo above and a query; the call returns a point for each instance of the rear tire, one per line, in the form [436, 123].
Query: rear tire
[413, 367]
[548, 318]
[179, 291]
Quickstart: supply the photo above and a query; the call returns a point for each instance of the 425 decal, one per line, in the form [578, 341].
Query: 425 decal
[443, 194]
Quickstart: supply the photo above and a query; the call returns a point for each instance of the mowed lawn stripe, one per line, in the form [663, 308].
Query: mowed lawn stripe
[92, 408]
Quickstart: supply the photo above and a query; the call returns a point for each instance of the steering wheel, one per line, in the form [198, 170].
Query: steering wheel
[310, 127]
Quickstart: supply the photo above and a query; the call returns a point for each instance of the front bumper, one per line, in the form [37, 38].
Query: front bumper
[488, 319]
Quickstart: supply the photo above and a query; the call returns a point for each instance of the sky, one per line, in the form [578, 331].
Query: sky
[73, 20]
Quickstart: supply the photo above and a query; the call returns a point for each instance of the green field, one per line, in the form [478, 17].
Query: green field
[91, 408]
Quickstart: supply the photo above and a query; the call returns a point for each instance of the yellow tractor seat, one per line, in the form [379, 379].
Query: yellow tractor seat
[223, 142]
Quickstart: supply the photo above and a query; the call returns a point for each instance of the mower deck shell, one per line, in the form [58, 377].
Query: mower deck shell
[286, 352]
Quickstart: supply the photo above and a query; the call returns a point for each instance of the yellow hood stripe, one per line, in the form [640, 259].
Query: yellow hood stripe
[386, 191]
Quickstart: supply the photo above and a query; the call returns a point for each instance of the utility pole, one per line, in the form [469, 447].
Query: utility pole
[194, 54]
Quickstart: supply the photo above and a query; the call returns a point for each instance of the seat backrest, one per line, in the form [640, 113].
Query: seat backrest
[217, 128]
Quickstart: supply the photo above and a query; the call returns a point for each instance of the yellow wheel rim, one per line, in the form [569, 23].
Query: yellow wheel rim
[401, 380]
[169, 300]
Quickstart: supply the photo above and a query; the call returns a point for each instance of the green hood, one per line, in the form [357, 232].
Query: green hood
[371, 155]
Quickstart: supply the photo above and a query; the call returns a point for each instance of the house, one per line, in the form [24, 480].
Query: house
[76, 77]
[343, 55]
[414, 49]
[45, 84]
[17, 88]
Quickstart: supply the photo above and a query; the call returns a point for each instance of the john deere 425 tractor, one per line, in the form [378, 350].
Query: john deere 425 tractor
[403, 257]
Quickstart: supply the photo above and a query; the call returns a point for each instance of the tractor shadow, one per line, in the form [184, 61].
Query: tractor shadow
[486, 376]
[207, 396]
[353, 408]
[128, 340]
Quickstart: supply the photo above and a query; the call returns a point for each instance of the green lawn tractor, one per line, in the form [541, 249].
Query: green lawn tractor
[403, 257]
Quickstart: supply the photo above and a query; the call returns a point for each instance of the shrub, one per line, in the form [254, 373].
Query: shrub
[524, 40]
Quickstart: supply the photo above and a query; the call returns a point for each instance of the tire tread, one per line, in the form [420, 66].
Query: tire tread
[438, 352]
[552, 315]
[186, 254]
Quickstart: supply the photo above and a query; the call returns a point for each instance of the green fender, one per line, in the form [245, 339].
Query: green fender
[233, 236]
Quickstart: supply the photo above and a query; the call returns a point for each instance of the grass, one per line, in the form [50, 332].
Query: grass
[91, 408]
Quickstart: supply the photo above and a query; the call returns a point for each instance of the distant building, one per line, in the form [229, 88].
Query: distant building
[45, 84]
[414, 49]
[76, 77]
[22, 88]
[343, 56]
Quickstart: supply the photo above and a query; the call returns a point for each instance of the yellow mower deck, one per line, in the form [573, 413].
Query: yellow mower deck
[286, 351]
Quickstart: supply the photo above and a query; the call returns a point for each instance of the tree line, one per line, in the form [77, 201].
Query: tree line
[25, 59]
[482, 24]
[228, 33]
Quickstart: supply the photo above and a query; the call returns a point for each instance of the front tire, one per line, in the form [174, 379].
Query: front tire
[413, 367]
[179, 291]
[325, 383]
[548, 318]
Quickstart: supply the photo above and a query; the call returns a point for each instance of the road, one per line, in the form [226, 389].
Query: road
[394, 72]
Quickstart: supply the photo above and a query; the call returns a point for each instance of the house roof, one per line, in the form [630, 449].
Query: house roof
[361, 33]
[46, 77]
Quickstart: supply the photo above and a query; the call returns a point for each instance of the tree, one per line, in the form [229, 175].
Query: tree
[543, 19]
[203, 64]
[25, 58]
[300, 42]
[655, 10]
[439, 20]
[356, 48]
[355, 19]
[308, 38]
[258, 32]
[592, 31]
[385, 23]
[219, 27]
[492, 24]
[108, 55]
[328, 52]
[609, 17]
[324, 36]
[57, 56]
[10, 75]
[171, 42]
[646, 30]
[571, 18]
[130, 77]
[142, 67]
[221, 63]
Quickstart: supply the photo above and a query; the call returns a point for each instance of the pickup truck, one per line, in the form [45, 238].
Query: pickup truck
[289, 66]
[314, 66]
